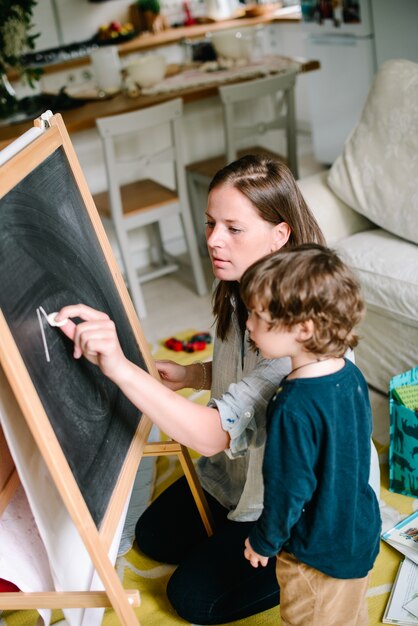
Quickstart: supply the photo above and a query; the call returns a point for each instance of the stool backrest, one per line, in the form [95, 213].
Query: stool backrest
[137, 150]
[280, 89]
[131, 128]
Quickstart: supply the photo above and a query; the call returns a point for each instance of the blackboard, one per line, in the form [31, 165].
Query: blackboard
[49, 257]
[74, 438]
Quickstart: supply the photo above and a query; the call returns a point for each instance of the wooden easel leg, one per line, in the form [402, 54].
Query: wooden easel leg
[19, 600]
[168, 448]
[196, 489]
[8, 490]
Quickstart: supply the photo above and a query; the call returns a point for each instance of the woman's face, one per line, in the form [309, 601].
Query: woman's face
[236, 234]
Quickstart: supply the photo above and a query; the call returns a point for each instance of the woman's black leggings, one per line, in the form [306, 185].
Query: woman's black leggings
[213, 583]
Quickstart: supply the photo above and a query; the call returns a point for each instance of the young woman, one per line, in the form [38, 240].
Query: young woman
[254, 208]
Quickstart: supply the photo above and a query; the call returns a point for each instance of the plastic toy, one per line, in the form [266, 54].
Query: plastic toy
[195, 343]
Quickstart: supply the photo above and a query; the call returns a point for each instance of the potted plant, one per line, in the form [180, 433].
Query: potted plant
[146, 15]
[15, 40]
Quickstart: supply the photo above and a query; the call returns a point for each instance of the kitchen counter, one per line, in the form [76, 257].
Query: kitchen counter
[85, 116]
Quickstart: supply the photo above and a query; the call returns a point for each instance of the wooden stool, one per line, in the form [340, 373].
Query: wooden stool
[146, 202]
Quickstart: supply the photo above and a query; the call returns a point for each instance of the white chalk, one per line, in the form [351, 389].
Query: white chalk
[52, 322]
[38, 313]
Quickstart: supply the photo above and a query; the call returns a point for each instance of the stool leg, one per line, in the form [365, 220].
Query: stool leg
[195, 260]
[194, 187]
[157, 247]
[292, 157]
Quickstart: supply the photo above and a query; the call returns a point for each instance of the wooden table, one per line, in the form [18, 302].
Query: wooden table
[84, 117]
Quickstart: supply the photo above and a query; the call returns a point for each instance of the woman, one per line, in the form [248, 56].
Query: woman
[254, 208]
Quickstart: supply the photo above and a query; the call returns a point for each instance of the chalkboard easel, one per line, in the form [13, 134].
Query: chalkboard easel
[54, 251]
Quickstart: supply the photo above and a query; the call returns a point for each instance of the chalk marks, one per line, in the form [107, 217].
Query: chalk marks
[40, 310]
[51, 321]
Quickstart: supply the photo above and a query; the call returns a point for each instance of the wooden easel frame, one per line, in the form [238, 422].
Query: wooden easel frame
[9, 478]
[97, 542]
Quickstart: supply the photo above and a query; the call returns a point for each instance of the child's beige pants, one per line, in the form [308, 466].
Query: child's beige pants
[310, 598]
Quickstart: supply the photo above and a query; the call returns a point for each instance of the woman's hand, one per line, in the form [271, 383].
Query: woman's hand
[95, 338]
[195, 426]
[173, 375]
[253, 557]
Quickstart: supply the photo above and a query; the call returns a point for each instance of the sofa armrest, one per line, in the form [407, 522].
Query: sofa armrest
[335, 217]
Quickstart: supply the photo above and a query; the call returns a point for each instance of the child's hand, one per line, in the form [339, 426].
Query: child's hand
[95, 338]
[254, 558]
[173, 375]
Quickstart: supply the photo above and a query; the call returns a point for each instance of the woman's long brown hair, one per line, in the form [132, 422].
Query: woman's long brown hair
[271, 188]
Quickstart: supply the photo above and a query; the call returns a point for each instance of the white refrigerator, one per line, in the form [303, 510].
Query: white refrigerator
[340, 35]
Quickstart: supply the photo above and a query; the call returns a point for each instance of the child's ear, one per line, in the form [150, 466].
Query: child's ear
[305, 330]
[281, 235]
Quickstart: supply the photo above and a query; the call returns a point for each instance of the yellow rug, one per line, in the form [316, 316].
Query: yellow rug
[150, 577]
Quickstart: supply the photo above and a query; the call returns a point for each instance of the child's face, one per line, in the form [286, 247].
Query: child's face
[273, 343]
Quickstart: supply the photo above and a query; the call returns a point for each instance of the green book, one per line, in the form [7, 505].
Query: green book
[407, 395]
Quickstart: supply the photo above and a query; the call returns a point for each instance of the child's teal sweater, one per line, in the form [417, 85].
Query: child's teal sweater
[318, 503]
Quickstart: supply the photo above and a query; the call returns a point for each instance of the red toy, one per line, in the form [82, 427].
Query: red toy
[196, 343]
[174, 344]
[194, 346]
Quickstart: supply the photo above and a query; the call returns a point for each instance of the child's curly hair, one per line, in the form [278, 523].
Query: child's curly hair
[307, 282]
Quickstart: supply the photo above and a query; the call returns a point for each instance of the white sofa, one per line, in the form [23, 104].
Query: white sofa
[367, 206]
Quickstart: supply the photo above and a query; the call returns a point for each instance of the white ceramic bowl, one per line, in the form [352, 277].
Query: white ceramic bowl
[234, 44]
[147, 70]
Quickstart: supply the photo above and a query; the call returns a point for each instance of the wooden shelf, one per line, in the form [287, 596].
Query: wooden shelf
[148, 41]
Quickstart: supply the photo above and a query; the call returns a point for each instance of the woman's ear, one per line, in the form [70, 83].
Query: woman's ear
[281, 235]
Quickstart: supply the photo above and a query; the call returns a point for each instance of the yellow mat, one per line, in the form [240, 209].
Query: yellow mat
[150, 577]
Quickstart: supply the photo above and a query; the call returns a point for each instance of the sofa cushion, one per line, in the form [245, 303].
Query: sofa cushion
[335, 217]
[388, 270]
[377, 173]
[387, 267]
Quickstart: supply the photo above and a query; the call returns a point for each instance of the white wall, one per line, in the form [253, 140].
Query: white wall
[66, 21]
[396, 29]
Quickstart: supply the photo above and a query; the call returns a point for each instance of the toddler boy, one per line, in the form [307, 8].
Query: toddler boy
[321, 517]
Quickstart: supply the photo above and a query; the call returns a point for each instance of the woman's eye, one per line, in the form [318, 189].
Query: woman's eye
[209, 224]
[234, 230]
